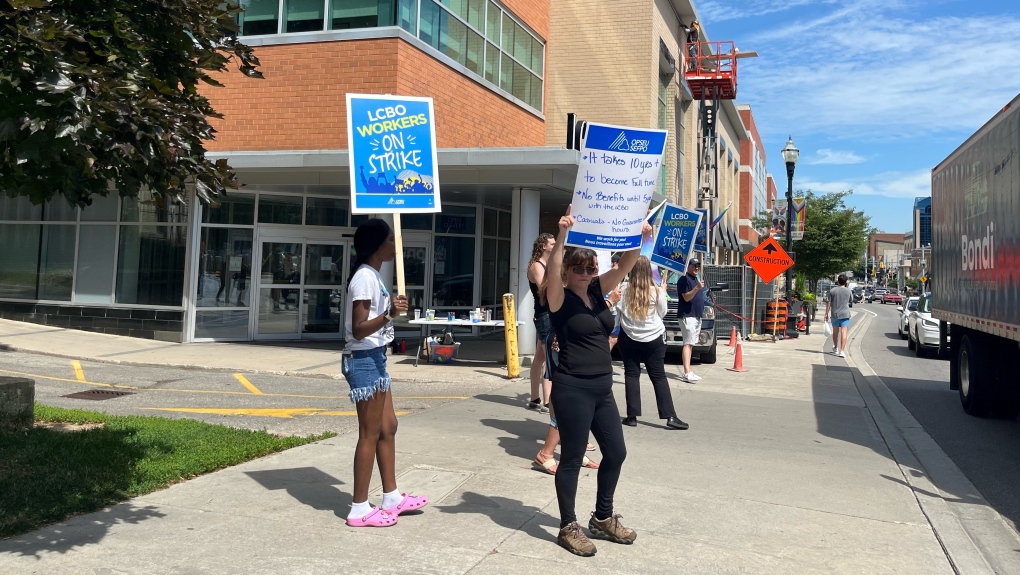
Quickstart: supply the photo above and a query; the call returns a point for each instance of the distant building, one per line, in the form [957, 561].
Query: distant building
[922, 222]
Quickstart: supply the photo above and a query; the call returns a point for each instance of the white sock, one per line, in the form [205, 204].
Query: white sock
[392, 499]
[359, 510]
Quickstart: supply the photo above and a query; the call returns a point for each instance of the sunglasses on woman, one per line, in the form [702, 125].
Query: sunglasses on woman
[581, 270]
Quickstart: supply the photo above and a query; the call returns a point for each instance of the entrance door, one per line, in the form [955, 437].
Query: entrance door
[416, 264]
[301, 285]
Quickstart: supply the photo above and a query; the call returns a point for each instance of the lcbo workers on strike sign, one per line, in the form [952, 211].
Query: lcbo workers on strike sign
[392, 141]
[675, 238]
[618, 173]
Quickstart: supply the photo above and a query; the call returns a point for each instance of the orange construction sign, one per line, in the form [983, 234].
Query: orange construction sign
[768, 260]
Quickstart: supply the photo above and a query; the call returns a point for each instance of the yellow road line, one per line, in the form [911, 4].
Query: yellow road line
[286, 413]
[77, 370]
[244, 381]
[216, 392]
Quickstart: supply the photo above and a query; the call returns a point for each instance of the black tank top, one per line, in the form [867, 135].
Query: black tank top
[583, 333]
[539, 308]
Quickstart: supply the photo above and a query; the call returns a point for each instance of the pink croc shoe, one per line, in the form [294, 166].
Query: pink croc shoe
[408, 503]
[375, 518]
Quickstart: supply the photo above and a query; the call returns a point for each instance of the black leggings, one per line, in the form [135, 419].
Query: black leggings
[580, 409]
[653, 355]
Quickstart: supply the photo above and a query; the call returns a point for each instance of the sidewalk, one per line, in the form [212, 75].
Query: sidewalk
[784, 470]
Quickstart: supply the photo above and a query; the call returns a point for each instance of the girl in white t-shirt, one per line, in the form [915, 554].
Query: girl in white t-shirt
[368, 330]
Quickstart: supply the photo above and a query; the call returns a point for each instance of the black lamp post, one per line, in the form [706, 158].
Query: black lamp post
[790, 155]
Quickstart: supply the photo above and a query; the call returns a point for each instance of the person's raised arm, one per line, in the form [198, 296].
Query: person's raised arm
[613, 277]
[554, 268]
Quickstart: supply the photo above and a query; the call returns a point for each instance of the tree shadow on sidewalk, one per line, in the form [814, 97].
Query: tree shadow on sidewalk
[309, 485]
[88, 529]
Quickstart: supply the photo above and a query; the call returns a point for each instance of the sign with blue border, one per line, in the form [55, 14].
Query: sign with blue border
[674, 240]
[616, 179]
[701, 239]
[393, 165]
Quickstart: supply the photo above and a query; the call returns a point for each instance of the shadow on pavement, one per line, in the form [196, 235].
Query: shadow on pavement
[527, 439]
[309, 485]
[507, 513]
[85, 530]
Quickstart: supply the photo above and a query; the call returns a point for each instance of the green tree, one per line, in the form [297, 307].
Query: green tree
[101, 95]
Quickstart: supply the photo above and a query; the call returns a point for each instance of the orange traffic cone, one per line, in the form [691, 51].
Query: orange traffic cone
[733, 337]
[738, 360]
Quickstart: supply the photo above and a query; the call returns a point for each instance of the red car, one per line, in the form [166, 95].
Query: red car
[892, 297]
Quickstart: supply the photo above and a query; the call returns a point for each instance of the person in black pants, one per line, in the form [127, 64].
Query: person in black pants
[582, 391]
[640, 311]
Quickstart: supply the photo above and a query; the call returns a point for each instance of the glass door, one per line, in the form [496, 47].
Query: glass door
[325, 287]
[279, 288]
[416, 265]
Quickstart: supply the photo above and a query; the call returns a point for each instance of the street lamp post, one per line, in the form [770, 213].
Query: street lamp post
[790, 155]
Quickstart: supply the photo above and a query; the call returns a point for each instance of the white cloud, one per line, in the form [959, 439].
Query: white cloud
[826, 156]
[889, 184]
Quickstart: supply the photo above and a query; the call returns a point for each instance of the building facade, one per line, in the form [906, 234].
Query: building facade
[922, 222]
[754, 179]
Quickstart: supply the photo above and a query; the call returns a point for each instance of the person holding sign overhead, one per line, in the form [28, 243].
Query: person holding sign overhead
[582, 392]
[369, 330]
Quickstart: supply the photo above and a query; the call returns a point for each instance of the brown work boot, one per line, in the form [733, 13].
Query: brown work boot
[611, 529]
[574, 540]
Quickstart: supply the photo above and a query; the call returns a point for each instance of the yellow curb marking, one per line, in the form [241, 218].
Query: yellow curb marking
[287, 413]
[77, 370]
[244, 381]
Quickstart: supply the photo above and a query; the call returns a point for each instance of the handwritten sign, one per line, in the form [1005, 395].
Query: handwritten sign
[617, 176]
[392, 141]
[701, 239]
[674, 240]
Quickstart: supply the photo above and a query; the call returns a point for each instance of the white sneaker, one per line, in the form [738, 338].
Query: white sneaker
[833, 348]
[683, 377]
[840, 354]
[692, 377]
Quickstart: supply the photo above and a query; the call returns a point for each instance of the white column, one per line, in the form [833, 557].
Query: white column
[524, 230]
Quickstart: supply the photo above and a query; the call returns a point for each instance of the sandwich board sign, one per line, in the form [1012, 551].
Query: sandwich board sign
[768, 260]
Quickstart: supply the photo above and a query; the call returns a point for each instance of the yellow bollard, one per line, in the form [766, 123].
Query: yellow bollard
[513, 364]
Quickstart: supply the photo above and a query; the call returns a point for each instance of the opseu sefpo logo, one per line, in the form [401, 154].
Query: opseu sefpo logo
[979, 253]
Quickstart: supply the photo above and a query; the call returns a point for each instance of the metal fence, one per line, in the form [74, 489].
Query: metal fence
[740, 303]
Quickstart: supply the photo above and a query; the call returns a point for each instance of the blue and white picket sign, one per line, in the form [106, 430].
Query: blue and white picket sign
[674, 240]
[392, 142]
[619, 171]
[701, 239]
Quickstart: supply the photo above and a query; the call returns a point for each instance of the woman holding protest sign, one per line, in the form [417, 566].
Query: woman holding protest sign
[582, 392]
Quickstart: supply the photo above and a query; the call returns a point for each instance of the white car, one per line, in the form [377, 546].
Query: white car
[905, 310]
[922, 329]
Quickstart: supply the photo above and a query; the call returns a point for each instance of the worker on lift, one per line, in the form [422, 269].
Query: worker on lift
[693, 33]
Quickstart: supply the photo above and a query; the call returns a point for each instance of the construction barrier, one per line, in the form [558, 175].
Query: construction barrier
[775, 316]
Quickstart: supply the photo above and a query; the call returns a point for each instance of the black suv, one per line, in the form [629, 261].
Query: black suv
[705, 347]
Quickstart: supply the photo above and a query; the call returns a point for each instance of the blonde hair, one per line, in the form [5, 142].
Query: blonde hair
[640, 285]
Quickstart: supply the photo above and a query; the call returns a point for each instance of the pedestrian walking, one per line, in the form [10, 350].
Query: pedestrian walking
[369, 330]
[640, 312]
[582, 392]
[540, 386]
[839, 304]
[689, 308]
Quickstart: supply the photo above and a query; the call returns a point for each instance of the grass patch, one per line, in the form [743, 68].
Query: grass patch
[47, 476]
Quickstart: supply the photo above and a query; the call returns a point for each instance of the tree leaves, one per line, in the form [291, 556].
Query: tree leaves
[101, 94]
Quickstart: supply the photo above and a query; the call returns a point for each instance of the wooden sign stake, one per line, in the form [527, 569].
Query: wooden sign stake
[399, 259]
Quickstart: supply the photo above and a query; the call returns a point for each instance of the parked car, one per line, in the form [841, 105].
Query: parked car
[892, 297]
[922, 329]
[877, 295]
[905, 310]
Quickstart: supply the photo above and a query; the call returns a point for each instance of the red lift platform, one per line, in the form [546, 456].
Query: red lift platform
[711, 70]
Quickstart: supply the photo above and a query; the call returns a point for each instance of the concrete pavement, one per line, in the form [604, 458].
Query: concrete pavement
[784, 470]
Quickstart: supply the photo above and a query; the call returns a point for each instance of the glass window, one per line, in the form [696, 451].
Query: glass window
[521, 88]
[150, 208]
[103, 209]
[537, 52]
[150, 266]
[536, 93]
[458, 7]
[453, 38]
[19, 260]
[522, 44]
[56, 265]
[473, 56]
[345, 14]
[456, 220]
[233, 209]
[94, 272]
[407, 15]
[492, 19]
[325, 212]
[280, 209]
[491, 63]
[453, 279]
[488, 275]
[18, 209]
[507, 42]
[504, 224]
[502, 269]
[506, 73]
[475, 14]
[303, 15]
[357, 220]
[416, 222]
[224, 267]
[429, 25]
[259, 17]
[226, 324]
[324, 264]
[490, 222]
[58, 209]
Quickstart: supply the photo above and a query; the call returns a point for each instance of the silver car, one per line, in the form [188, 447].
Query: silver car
[904, 323]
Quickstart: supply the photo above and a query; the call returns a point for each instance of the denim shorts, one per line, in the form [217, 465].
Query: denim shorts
[365, 371]
[840, 322]
[543, 325]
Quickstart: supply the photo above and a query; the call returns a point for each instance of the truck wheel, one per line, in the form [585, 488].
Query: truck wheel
[972, 371]
[708, 356]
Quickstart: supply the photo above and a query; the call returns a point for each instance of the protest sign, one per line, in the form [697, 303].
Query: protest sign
[619, 170]
[701, 239]
[393, 165]
[674, 240]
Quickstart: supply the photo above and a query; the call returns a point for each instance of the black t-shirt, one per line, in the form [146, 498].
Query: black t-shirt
[539, 308]
[695, 307]
[583, 333]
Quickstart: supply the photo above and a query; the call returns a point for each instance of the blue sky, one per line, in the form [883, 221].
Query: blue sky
[874, 92]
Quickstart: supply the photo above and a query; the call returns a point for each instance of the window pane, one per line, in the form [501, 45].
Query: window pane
[456, 220]
[490, 222]
[94, 272]
[357, 220]
[19, 260]
[522, 44]
[346, 14]
[407, 14]
[504, 224]
[507, 42]
[492, 16]
[521, 83]
[453, 279]
[103, 209]
[537, 52]
[152, 209]
[506, 72]
[476, 14]
[416, 222]
[259, 17]
[491, 63]
[303, 15]
[324, 264]
[325, 212]
[56, 266]
[502, 269]
[234, 209]
[221, 324]
[475, 46]
[322, 311]
[536, 94]
[458, 7]
[224, 267]
[454, 38]
[280, 210]
[18, 209]
[488, 295]
[59, 210]
[428, 30]
[150, 266]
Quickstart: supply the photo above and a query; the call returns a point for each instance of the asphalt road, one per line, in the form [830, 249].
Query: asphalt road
[985, 449]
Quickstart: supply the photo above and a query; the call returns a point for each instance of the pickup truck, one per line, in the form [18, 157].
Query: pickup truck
[705, 347]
